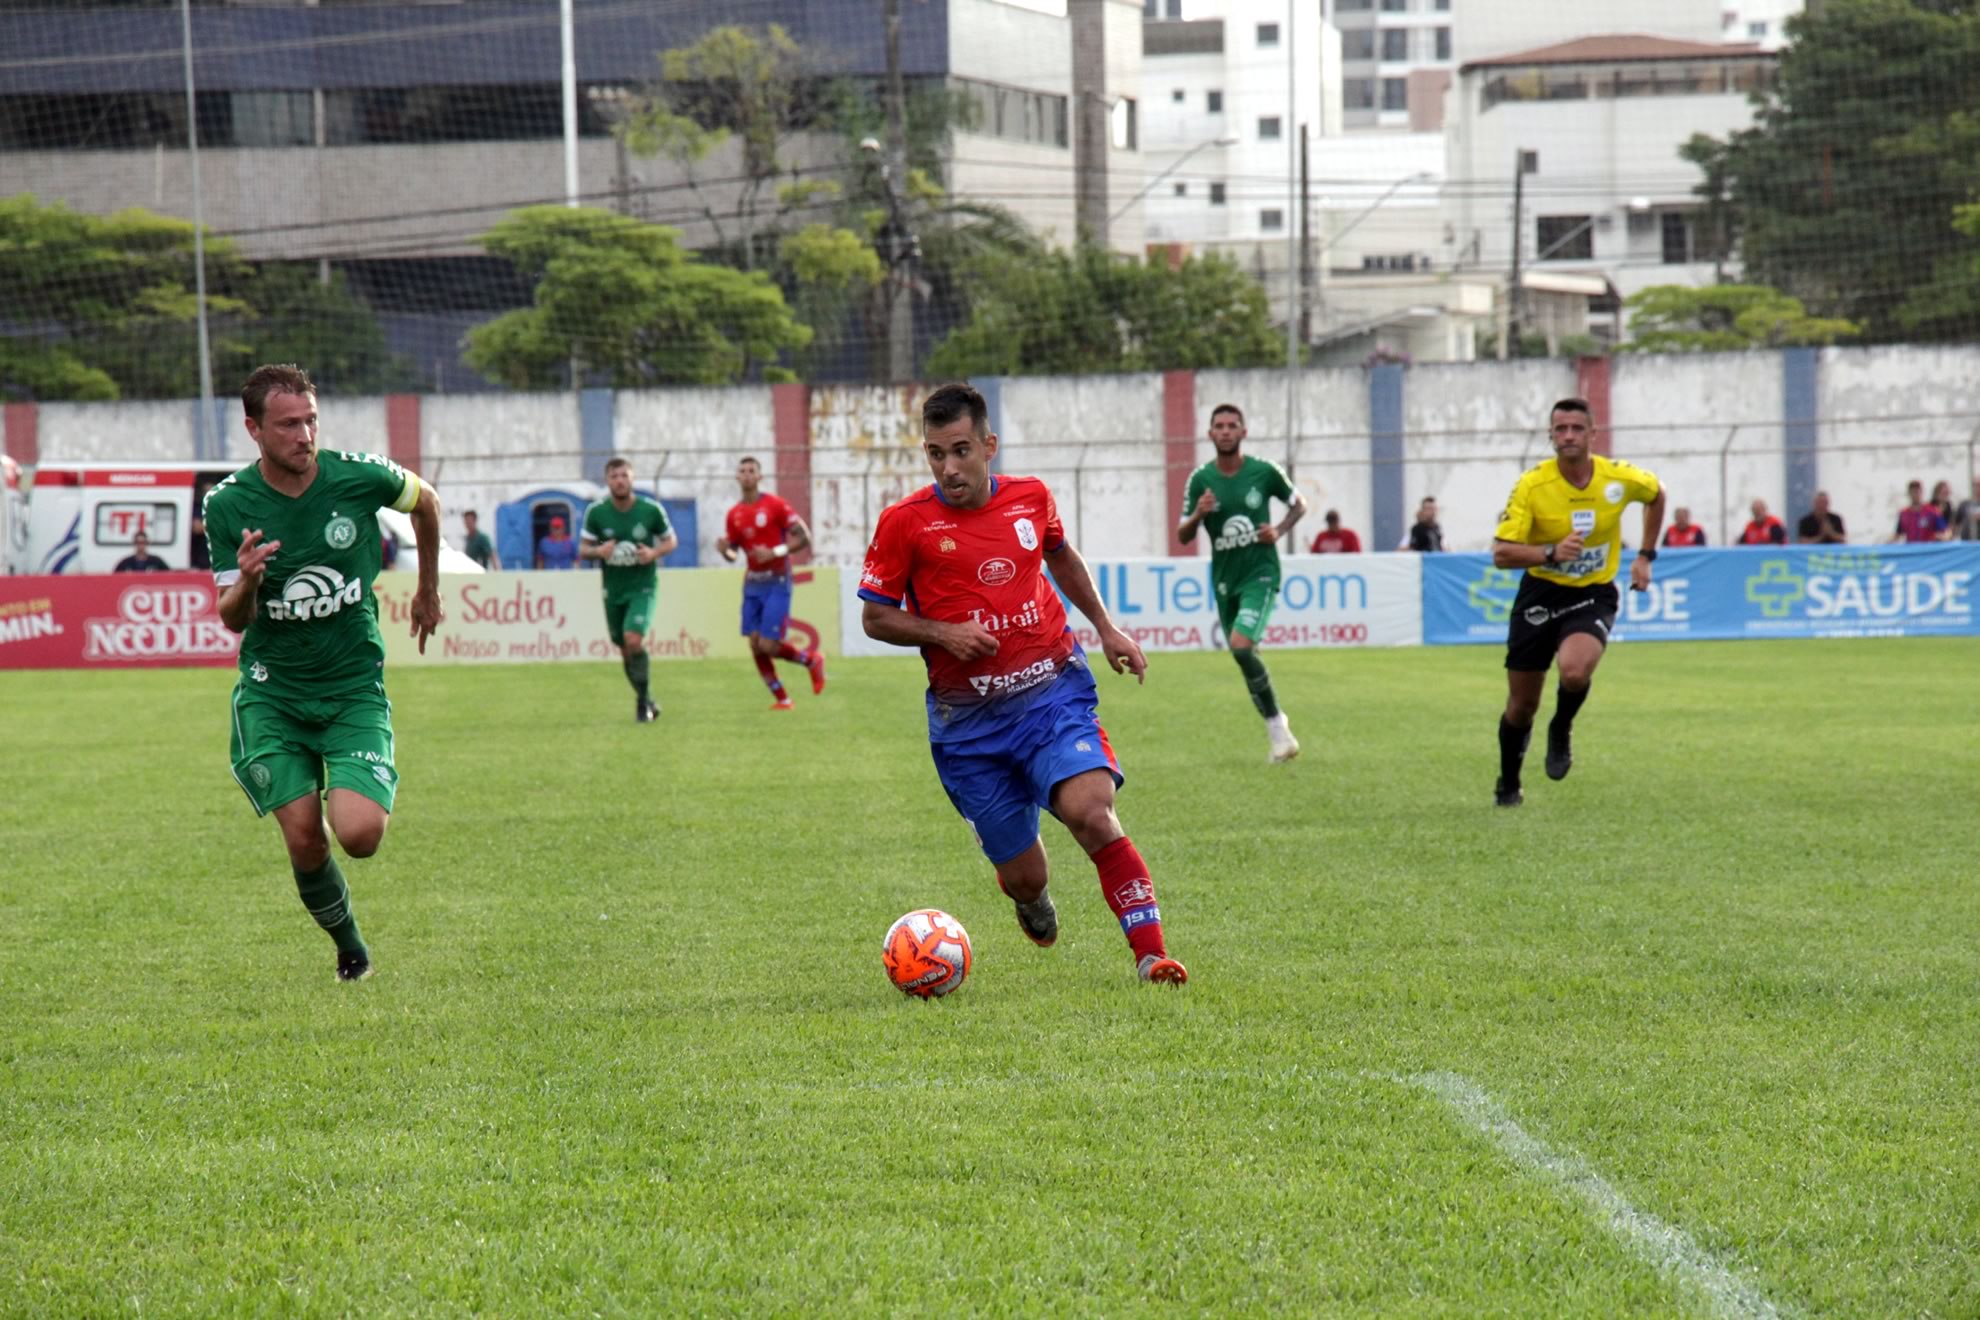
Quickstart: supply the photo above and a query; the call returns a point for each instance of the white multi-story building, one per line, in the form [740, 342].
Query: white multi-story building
[1221, 128]
[1595, 124]
[1763, 23]
[1396, 58]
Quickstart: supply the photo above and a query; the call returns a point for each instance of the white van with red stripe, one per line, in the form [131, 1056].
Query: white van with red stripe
[84, 517]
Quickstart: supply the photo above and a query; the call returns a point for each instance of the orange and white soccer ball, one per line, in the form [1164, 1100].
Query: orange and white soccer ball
[926, 953]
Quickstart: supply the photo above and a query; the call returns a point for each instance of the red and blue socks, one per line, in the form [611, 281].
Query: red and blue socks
[1131, 894]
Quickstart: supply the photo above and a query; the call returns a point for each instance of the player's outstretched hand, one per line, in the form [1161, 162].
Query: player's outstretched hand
[1124, 654]
[969, 640]
[253, 558]
[427, 614]
[1639, 574]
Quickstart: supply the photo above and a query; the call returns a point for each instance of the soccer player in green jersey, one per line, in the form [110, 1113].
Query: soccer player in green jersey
[1232, 495]
[294, 544]
[628, 535]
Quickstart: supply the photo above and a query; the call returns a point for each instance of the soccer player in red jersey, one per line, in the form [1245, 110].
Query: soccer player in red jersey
[767, 532]
[957, 569]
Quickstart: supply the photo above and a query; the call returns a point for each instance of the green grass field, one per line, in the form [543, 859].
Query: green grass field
[1696, 1031]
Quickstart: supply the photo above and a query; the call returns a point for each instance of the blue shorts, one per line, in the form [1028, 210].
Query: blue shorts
[766, 607]
[1000, 779]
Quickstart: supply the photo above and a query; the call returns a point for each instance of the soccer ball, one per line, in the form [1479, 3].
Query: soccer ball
[926, 953]
[624, 554]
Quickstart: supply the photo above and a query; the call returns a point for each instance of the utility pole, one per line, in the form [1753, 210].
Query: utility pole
[1305, 241]
[1524, 163]
[901, 249]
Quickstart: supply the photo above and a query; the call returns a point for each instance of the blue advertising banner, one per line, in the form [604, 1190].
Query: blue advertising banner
[1745, 591]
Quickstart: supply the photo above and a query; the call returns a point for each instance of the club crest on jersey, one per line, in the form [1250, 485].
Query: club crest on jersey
[762, 518]
[1027, 535]
[1613, 492]
[340, 533]
[995, 572]
[1253, 498]
[947, 545]
[639, 532]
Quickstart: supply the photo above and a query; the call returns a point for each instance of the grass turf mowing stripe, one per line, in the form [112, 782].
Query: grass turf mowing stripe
[1664, 1246]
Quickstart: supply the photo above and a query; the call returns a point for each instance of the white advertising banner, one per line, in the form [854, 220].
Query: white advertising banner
[1170, 605]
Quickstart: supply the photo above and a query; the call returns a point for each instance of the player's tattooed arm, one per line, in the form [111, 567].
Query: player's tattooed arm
[1076, 581]
[1295, 510]
[797, 536]
[660, 549]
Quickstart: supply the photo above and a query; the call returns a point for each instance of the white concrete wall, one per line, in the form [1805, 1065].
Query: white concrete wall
[1885, 415]
[1678, 414]
[1887, 419]
[1098, 443]
[686, 443]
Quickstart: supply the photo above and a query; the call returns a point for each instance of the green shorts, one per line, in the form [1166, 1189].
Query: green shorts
[632, 614]
[1245, 611]
[284, 749]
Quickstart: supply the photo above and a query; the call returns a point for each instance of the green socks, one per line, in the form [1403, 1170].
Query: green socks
[324, 893]
[637, 667]
[1256, 680]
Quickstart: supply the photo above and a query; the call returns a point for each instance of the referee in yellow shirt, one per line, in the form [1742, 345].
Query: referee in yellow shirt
[1563, 525]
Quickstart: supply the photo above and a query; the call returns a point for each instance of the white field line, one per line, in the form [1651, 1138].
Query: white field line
[1668, 1248]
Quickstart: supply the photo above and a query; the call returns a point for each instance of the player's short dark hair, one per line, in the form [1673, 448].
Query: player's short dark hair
[749, 458]
[617, 461]
[1573, 405]
[469, 513]
[275, 378]
[948, 402]
[1333, 515]
[1227, 408]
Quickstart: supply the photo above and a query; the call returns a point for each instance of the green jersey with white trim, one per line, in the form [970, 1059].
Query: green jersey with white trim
[642, 524]
[1244, 504]
[315, 626]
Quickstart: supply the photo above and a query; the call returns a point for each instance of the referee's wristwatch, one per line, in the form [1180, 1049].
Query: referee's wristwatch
[1548, 558]
[1648, 554]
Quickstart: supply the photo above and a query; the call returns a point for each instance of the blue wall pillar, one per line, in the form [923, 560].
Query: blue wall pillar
[597, 435]
[1801, 408]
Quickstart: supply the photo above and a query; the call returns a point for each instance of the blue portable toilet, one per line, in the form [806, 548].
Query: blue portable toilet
[522, 522]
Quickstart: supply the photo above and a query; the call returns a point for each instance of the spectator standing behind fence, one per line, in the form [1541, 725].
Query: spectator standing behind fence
[1942, 500]
[555, 549]
[1335, 539]
[477, 546]
[1425, 536]
[1918, 521]
[1966, 518]
[140, 559]
[1683, 534]
[1765, 529]
[1820, 526]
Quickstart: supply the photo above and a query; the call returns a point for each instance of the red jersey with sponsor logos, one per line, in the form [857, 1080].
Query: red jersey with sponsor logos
[760, 525]
[952, 564]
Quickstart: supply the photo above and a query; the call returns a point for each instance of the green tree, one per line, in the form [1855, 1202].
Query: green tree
[1090, 310]
[1845, 188]
[735, 84]
[101, 307]
[291, 314]
[104, 307]
[1670, 318]
[619, 297]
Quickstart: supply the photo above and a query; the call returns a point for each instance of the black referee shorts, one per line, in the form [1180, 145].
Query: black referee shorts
[1545, 612]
